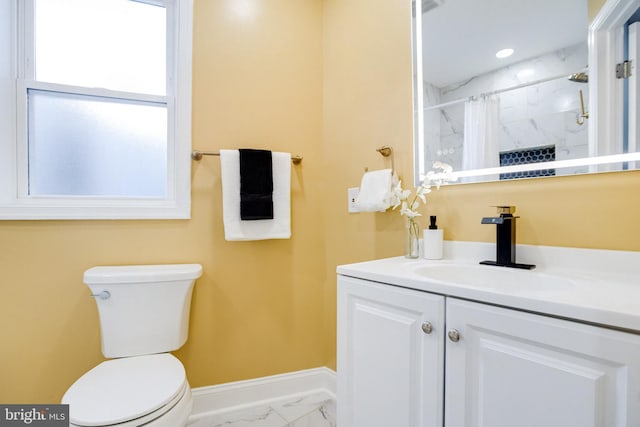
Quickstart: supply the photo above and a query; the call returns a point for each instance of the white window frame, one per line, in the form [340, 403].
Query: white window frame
[16, 18]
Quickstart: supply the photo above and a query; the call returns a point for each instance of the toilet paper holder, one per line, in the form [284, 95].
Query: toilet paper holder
[385, 151]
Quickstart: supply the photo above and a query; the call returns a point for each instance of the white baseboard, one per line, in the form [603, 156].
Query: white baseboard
[262, 391]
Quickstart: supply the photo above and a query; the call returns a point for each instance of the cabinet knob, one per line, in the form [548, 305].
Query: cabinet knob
[454, 335]
[427, 327]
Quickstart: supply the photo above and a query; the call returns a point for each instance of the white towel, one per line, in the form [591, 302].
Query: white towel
[234, 228]
[375, 193]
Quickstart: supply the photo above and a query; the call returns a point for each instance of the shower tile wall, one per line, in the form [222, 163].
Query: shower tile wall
[534, 116]
[451, 124]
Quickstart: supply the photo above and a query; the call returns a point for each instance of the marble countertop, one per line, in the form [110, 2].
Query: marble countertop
[594, 286]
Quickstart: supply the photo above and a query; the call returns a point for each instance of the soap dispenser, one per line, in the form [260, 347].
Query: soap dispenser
[433, 239]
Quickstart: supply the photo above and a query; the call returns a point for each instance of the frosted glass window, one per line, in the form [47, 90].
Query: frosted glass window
[97, 102]
[113, 44]
[94, 146]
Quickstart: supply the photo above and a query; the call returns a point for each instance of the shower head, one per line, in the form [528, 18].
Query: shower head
[427, 5]
[579, 77]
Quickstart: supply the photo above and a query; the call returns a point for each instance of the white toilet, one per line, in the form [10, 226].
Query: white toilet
[144, 314]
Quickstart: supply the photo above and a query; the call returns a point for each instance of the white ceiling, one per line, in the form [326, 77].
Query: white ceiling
[461, 37]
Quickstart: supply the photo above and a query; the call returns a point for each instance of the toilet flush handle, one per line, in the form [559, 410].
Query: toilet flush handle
[102, 295]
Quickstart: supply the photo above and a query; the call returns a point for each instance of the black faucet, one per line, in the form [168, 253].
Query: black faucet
[505, 239]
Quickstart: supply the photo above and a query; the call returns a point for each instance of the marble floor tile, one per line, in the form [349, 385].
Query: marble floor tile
[294, 409]
[323, 416]
[259, 416]
[315, 410]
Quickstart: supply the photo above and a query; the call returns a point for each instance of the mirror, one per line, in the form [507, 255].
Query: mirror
[501, 90]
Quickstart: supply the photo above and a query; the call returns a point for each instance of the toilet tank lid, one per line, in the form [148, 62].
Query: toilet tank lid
[142, 273]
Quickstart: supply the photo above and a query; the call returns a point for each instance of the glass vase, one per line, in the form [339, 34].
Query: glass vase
[412, 239]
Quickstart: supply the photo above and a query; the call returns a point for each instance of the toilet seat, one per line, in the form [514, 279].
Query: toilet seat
[127, 392]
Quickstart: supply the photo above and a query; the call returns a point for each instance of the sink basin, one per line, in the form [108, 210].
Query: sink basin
[494, 277]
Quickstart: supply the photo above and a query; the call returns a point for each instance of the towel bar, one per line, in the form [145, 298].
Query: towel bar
[197, 155]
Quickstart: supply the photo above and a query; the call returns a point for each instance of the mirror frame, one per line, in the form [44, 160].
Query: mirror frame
[604, 47]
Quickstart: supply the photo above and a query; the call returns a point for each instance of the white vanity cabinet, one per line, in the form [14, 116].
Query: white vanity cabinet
[476, 365]
[390, 355]
[511, 368]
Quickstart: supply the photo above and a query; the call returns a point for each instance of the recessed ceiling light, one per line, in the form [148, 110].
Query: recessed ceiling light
[504, 53]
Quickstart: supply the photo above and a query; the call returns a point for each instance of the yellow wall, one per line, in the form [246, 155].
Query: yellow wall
[367, 104]
[330, 80]
[259, 308]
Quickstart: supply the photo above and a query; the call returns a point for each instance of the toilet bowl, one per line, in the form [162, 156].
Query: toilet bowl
[144, 314]
[130, 392]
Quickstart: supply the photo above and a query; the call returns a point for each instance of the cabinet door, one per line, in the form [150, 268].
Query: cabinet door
[389, 369]
[510, 368]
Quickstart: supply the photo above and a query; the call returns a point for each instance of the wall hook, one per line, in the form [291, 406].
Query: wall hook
[385, 150]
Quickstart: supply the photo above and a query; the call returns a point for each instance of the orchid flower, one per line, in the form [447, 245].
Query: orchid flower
[401, 197]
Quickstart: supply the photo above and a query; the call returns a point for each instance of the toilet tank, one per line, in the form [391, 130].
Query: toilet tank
[143, 309]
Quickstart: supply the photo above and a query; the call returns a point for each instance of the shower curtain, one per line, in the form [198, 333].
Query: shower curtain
[480, 146]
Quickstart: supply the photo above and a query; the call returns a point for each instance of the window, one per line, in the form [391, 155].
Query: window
[95, 109]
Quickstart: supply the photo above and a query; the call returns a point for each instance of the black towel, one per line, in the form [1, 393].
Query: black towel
[256, 185]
